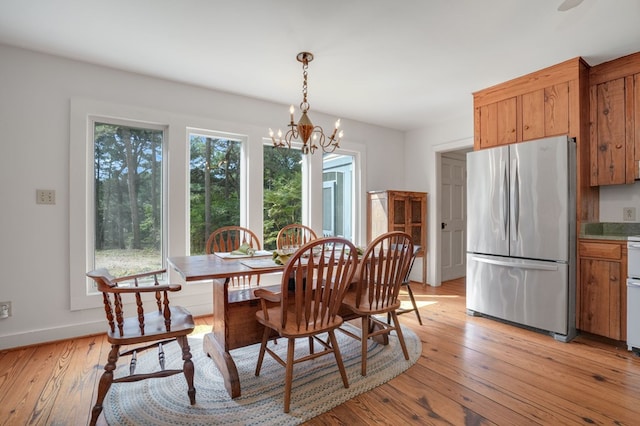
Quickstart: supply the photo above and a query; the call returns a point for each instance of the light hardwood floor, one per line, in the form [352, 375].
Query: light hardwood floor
[473, 371]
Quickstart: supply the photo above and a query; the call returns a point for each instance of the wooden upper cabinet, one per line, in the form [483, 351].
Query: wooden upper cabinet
[534, 106]
[549, 102]
[614, 98]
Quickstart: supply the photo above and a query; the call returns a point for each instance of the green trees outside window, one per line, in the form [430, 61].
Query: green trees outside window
[282, 191]
[128, 198]
[128, 173]
[214, 169]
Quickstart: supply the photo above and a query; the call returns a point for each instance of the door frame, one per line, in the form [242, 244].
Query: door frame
[434, 229]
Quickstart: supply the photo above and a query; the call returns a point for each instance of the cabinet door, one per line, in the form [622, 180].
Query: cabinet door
[415, 223]
[545, 112]
[600, 300]
[487, 119]
[608, 153]
[400, 211]
[556, 110]
[507, 121]
[496, 123]
[532, 115]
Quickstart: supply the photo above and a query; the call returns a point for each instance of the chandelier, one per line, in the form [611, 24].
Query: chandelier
[311, 135]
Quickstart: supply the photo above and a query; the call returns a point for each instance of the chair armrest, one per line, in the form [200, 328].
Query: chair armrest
[146, 288]
[267, 295]
[137, 276]
[120, 286]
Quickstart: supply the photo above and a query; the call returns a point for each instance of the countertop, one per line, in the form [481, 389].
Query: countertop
[609, 230]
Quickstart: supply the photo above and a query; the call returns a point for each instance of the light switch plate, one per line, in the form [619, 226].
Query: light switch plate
[629, 214]
[45, 196]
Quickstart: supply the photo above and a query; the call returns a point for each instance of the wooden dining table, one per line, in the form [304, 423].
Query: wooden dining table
[234, 312]
[234, 323]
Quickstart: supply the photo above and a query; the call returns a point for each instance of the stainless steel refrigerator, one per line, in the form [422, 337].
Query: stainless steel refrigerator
[521, 233]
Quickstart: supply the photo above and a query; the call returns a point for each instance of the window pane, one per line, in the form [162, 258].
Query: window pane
[282, 191]
[128, 198]
[338, 195]
[214, 186]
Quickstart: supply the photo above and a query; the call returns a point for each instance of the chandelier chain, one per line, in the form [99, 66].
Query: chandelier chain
[304, 105]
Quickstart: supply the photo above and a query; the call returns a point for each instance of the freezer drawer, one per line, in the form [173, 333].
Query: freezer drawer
[528, 292]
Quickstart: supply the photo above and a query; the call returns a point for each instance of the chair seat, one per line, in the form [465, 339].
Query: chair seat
[290, 330]
[181, 324]
[363, 308]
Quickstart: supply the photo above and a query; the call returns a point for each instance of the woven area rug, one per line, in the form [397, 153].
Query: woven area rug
[317, 386]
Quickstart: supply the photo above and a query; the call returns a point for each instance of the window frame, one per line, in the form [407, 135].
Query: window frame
[83, 116]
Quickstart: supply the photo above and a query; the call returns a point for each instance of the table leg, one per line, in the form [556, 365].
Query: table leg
[223, 360]
[215, 343]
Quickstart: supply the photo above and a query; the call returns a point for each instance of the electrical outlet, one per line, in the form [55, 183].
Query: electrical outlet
[5, 309]
[45, 196]
[629, 214]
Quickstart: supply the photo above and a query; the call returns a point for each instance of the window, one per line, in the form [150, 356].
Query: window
[128, 195]
[282, 181]
[338, 195]
[215, 170]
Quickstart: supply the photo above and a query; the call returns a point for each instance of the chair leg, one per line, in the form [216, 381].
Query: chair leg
[364, 339]
[188, 368]
[288, 377]
[105, 383]
[413, 302]
[263, 347]
[398, 329]
[336, 353]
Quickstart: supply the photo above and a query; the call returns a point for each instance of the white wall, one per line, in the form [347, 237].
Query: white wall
[614, 197]
[422, 173]
[35, 94]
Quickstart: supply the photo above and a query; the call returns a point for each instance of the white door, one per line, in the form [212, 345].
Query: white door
[453, 214]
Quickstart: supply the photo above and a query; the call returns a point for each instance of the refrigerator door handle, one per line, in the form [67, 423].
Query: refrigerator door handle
[633, 282]
[515, 199]
[504, 196]
[523, 265]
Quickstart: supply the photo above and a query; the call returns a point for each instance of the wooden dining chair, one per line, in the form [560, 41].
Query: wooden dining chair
[148, 327]
[381, 272]
[321, 270]
[294, 235]
[229, 238]
[406, 283]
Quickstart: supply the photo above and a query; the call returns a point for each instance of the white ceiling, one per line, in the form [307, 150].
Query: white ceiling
[402, 64]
